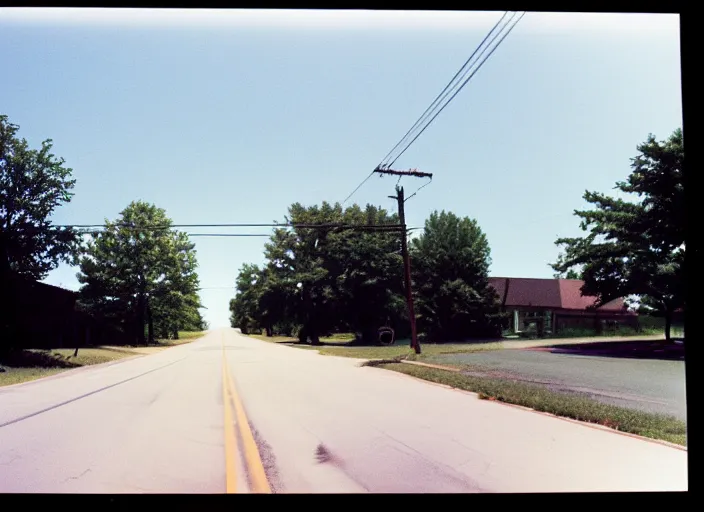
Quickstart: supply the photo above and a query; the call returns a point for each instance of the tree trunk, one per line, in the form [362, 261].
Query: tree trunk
[140, 320]
[668, 324]
[176, 333]
[313, 334]
[76, 338]
[314, 338]
[269, 331]
[150, 321]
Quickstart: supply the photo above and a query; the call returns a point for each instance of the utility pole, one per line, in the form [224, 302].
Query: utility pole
[404, 246]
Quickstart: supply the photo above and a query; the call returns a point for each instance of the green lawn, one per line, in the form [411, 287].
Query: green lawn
[17, 375]
[33, 364]
[401, 348]
[541, 399]
[183, 337]
[335, 339]
[26, 365]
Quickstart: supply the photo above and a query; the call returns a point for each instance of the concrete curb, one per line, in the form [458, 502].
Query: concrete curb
[563, 418]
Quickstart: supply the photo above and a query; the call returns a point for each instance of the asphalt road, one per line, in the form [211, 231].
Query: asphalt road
[164, 423]
[649, 385]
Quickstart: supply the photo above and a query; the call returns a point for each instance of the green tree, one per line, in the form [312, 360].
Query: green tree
[298, 265]
[140, 272]
[636, 247]
[571, 273]
[244, 308]
[33, 183]
[327, 279]
[450, 264]
[368, 269]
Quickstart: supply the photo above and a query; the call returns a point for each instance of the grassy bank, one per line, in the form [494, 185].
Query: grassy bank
[26, 365]
[183, 337]
[335, 339]
[536, 397]
[401, 349]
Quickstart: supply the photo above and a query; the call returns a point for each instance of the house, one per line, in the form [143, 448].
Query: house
[556, 304]
[45, 316]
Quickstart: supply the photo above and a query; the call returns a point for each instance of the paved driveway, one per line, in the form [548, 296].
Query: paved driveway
[650, 385]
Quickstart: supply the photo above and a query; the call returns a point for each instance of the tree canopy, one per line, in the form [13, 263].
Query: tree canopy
[316, 281]
[450, 268]
[33, 183]
[140, 271]
[319, 280]
[636, 247]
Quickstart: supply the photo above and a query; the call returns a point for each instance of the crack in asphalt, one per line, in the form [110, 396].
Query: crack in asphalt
[271, 469]
[104, 388]
[77, 477]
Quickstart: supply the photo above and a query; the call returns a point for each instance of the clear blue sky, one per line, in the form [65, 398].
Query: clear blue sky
[230, 116]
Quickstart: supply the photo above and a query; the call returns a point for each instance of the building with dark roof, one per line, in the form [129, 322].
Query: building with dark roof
[45, 316]
[555, 304]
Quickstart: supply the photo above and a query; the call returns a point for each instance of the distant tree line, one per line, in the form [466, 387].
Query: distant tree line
[140, 274]
[137, 273]
[317, 281]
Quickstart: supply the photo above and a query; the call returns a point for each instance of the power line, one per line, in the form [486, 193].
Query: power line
[229, 234]
[481, 63]
[275, 225]
[440, 96]
[358, 187]
[171, 226]
[419, 188]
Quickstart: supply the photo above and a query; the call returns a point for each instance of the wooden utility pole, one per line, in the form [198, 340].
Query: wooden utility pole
[404, 246]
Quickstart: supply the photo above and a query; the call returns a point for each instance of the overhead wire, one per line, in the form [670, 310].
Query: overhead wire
[96, 229]
[427, 112]
[481, 63]
[357, 188]
[419, 189]
[440, 96]
[298, 225]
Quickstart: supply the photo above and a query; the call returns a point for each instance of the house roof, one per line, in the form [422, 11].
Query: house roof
[547, 293]
[28, 290]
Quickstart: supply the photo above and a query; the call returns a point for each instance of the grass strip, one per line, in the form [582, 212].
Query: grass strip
[654, 426]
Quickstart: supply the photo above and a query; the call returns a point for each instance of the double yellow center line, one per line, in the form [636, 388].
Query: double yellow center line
[253, 461]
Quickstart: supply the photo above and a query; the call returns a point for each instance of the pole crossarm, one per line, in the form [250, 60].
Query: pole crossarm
[410, 172]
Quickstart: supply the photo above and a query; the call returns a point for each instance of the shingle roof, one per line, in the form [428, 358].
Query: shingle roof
[547, 293]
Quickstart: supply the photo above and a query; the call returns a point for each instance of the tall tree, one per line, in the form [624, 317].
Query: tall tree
[33, 183]
[333, 279]
[636, 247]
[244, 308]
[369, 273]
[298, 260]
[139, 271]
[571, 273]
[450, 265]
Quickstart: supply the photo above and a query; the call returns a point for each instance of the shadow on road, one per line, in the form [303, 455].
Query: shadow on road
[636, 349]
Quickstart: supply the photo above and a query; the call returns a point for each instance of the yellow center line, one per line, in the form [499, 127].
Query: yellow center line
[230, 434]
[253, 460]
